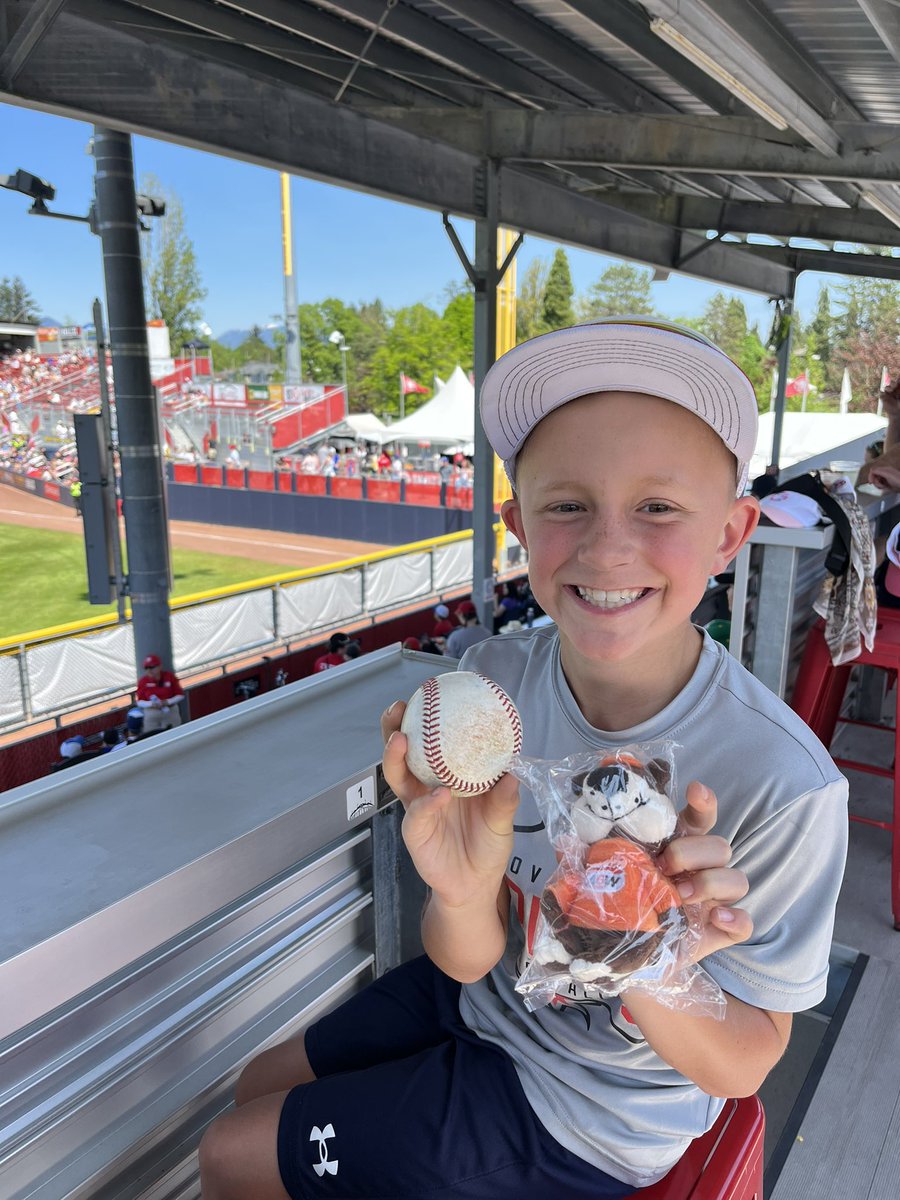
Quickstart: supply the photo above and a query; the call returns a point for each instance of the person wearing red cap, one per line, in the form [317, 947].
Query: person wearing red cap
[469, 632]
[159, 694]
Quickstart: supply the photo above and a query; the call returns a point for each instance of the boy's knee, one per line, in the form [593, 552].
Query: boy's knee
[277, 1069]
[213, 1154]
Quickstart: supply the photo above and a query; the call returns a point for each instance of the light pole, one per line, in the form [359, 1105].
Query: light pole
[337, 339]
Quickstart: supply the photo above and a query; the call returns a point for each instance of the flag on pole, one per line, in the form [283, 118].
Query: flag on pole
[798, 386]
[846, 391]
[408, 386]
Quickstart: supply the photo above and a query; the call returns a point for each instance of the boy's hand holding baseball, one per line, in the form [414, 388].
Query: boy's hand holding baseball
[697, 862]
[460, 844]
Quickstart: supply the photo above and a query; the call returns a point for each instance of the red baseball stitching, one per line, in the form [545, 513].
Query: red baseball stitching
[431, 734]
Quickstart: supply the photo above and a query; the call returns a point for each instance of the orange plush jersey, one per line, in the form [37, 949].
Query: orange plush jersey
[620, 888]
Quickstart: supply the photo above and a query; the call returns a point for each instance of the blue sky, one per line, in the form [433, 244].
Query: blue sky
[346, 244]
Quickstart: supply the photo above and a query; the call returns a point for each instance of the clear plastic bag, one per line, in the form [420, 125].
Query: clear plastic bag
[610, 919]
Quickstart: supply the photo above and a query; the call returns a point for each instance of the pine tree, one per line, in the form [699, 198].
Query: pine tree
[17, 304]
[556, 308]
[172, 284]
[530, 300]
[622, 290]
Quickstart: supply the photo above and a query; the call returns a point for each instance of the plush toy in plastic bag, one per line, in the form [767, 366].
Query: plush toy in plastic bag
[610, 919]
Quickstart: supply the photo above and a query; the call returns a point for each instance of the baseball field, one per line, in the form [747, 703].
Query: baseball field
[43, 579]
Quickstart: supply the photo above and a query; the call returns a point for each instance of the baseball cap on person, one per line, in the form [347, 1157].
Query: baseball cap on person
[892, 576]
[621, 354]
[466, 608]
[791, 510]
[72, 747]
[442, 611]
[152, 660]
[134, 719]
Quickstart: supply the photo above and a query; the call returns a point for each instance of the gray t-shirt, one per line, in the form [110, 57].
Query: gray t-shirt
[587, 1072]
[459, 641]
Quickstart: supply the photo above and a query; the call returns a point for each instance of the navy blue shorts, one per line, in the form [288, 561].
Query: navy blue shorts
[408, 1102]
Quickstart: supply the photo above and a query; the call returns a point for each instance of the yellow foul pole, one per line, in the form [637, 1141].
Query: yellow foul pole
[506, 339]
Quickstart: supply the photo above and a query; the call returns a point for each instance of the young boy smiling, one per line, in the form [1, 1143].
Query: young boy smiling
[627, 445]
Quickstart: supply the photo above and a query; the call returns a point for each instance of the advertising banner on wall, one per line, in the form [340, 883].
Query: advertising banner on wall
[306, 393]
[229, 395]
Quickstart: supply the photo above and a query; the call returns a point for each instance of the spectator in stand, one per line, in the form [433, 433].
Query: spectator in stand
[309, 464]
[412, 643]
[445, 470]
[111, 738]
[396, 468]
[443, 626]
[884, 470]
[430, 646]
[353, 649]
[159, 694]
[469, 632]
[134, 728]
[384, 463]
[234, 457]
[508, 605]
[72, 747]
[336, 656]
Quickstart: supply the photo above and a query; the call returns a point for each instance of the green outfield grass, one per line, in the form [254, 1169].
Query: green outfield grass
[43, 579]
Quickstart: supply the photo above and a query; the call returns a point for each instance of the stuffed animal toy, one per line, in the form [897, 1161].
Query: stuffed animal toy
[610, 917]
[624, 795]
[614, 912]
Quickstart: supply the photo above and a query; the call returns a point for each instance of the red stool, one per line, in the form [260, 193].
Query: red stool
[818, 695]
[724, 1164]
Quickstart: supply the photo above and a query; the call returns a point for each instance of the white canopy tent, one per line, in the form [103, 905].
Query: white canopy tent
[447, 419]
[813, 439]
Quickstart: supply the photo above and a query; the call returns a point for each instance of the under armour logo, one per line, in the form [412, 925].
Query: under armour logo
[325, 1163]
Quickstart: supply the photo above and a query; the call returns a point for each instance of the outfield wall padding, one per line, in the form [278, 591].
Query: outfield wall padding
[322, 516]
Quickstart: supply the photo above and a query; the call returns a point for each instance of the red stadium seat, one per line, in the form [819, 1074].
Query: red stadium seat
[817, 698]
[724, 1164]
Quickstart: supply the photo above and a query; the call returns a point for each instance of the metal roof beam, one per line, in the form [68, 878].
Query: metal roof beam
[305, 27]
[542, 41]
[304, 70]
[885, 18]
[721, 145]
[775, 220]
[37, 21]
[764, 40]
[229, 111]
[873, 266]
[438, 41]
[628, 25]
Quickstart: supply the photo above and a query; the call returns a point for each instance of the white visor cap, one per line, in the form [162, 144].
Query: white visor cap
[622, 354]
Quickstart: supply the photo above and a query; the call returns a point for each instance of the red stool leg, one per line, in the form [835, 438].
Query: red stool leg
[812, 676]
[895, 823]
[831, 698]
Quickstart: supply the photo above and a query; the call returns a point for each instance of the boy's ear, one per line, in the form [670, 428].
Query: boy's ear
[511, 516]
[742, 520]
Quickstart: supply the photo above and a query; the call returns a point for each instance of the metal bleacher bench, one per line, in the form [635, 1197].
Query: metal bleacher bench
[172, 908]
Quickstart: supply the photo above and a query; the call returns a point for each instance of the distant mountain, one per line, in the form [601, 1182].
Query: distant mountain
[50, 322]
[232, 338]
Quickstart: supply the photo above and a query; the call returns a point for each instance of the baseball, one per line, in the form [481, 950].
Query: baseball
[462, 731]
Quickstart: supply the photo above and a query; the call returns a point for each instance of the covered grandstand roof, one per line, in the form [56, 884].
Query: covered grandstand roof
[738, 140]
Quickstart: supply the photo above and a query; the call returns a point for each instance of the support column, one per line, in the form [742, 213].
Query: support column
[783, 352]
[293, 371]
[486, 279]
[143, 496]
